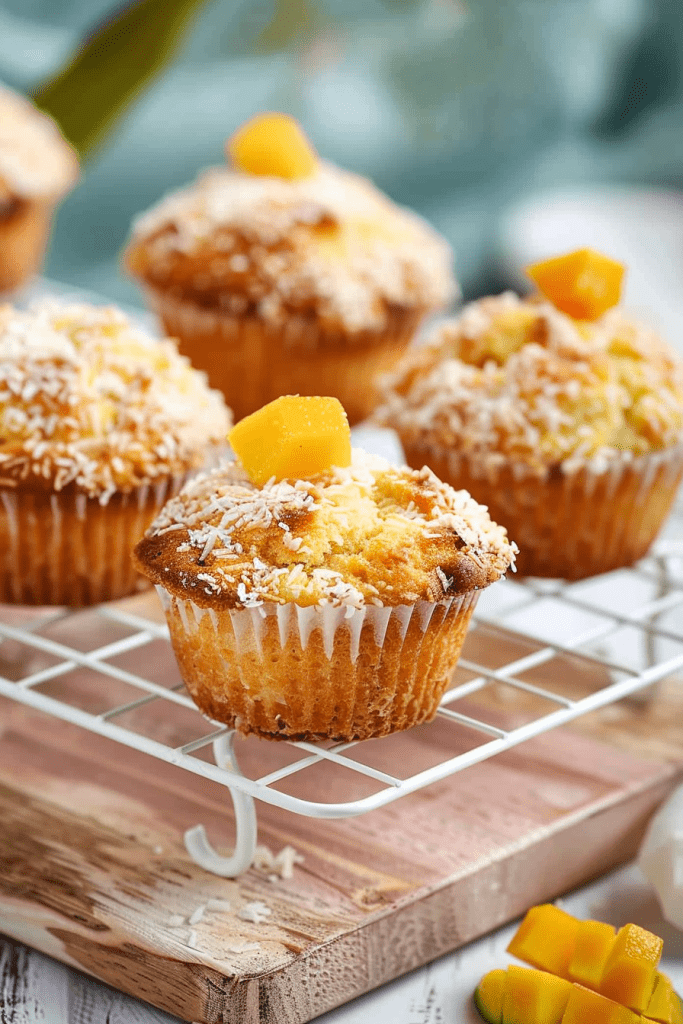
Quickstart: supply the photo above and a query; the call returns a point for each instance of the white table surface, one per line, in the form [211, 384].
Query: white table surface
[37, 990]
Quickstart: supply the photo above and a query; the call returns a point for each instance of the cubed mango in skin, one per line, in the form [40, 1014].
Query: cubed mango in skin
[587, 1007]
[583, 284]
[631, 967]
[534, 997]
[488, 996]
[594, 942]
[272, 145]
[665, 1004]
[546, 939]
[293, 437]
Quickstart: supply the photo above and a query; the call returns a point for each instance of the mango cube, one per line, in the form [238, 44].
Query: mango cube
[546, 939]
[665, 1004]
[293, 437]
[534, 997]
[488, 996]
[272, 144]
[587, 1007]
[594, 942]
[630, 971]
[583, 284]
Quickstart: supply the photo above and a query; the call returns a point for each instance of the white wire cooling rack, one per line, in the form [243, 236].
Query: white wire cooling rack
[539, 654]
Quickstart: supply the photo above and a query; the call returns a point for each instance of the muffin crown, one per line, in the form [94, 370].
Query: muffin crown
[368, 534]
[88, 399]
[330, 244]
[36, 162]
[514, 381]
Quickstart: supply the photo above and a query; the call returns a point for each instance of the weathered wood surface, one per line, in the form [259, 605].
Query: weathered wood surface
[93, 870]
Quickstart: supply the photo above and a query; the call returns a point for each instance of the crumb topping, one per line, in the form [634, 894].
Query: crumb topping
[367, 534]
[35, 160]
[515, 381]
[330, 245]
[88, 399]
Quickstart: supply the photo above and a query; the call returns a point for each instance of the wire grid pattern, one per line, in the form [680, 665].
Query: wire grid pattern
[535, 614]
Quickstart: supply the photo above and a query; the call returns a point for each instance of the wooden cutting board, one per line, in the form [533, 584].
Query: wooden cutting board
[94, 872]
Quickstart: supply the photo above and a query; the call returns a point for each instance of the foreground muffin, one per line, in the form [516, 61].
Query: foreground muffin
[285, 275]
[99, 425]
[37, 168]
[331, 607]
[569, 430]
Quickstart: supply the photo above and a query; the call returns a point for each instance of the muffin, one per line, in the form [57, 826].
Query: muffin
[283, 274]
[570, 431]
[330, 607]
[37, 168]
[99, 425]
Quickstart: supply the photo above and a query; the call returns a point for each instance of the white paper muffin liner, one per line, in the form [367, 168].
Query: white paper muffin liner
[64, 548]
[253, 361]
[318, 672]
[594, 518]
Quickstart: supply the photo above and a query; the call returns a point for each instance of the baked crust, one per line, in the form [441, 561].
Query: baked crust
[329, 248]
[370, 534]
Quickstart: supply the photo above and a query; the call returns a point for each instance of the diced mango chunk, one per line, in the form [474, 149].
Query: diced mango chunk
[665, 1004]
[584, 284]
[272, 144]
[631, 967]
[594, 942]
[488, 996]
[588, 1007]
[534, 997]
[546, 939]
[293, 437]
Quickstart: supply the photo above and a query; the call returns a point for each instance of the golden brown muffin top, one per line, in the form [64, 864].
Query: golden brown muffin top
[514, 381]
[329, 246]
[367, 534]
[88, 399]
[36, 162]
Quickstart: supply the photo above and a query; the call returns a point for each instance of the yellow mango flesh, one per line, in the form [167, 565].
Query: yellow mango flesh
[546, 939]
[583, 284]
[588, 1007]
[594, 942]
[293, 437]
[272, 145]
[665, 1005]
[488, 996]
[534, 997]
[631, 967]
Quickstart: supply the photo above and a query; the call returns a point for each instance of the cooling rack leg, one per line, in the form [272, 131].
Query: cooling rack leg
[196, 841]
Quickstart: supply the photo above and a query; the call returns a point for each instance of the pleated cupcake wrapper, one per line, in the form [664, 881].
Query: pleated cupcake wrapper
[385, 667]
[253, 361]
[574, 524]
[64, 548]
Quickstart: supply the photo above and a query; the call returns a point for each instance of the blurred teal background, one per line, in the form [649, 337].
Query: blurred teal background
[461, 110]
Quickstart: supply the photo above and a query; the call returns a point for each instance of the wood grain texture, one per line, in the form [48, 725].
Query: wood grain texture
[93, 870]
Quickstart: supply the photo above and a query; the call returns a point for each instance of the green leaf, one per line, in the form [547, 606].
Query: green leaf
[112, 66]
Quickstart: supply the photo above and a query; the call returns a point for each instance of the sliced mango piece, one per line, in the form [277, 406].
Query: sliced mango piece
[546, 939]
[534, 997]
[631, 967]
[588, 1007]
[665, 1004]
[488, 996]
[594, 942]
[293, 437]
[272, 144]
[584, 284]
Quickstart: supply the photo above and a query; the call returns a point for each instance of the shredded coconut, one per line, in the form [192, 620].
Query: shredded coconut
[517, 382]
[255, 912]
[87, 398]
[280, 865]
[36, 162]
[332, 238]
